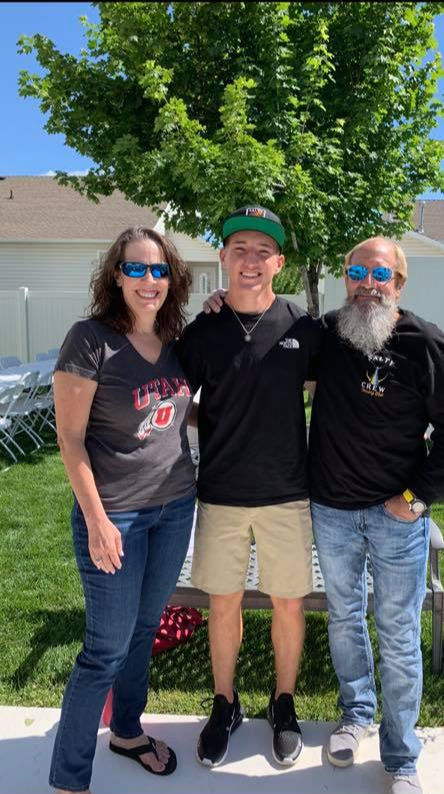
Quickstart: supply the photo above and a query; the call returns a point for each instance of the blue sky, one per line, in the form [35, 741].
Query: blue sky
[25, 147]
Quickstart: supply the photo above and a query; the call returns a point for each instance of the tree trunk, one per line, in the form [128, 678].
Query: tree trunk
[310, 278]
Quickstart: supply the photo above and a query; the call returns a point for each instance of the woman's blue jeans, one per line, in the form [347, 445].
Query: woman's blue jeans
[397, 551]
[123, 612]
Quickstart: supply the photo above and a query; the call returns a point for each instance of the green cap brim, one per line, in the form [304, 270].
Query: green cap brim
[242, 223]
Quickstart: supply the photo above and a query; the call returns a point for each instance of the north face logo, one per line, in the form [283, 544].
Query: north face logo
[289, 343]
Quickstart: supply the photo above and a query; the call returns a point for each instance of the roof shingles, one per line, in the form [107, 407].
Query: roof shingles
[41, 209]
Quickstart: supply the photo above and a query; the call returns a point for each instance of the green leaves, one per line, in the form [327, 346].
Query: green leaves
[155, 80]
[234, 111]
[321, 111]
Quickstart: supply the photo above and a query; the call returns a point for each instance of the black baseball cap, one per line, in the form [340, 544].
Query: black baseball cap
[257, 219]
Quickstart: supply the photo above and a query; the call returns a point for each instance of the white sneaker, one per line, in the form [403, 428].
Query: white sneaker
[343, 744]
[406, 784]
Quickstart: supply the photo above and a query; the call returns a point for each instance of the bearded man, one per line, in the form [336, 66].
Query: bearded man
[380, 383]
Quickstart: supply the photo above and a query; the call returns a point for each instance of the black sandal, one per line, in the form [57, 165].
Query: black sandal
[136, 752]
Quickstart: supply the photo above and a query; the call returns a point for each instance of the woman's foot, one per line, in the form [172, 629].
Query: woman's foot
[156, 764]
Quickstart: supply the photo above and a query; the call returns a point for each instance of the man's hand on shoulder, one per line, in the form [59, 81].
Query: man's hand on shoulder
[215, 302]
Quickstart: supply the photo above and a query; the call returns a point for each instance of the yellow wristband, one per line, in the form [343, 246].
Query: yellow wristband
[408, 495]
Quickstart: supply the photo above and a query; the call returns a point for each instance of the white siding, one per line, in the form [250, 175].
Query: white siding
[65, 266]
[210, 268]
[69, 265]
[424, 291]
[193, 249]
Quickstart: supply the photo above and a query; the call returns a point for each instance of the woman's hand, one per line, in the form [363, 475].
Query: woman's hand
[215, 302]
[73, 396]
[105, 545]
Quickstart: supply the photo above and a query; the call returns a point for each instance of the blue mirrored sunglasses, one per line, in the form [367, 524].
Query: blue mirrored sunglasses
[139, 269]
[379, 274]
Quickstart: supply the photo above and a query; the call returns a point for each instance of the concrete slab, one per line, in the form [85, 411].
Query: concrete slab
[27, 735]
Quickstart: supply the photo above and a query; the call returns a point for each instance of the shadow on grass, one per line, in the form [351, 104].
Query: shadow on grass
[57, 628]
[32, 455]
[187, 666]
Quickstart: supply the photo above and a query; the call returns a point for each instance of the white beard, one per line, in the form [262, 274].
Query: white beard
[367, 326]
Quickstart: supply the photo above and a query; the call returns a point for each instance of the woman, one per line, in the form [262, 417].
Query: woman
[122, 404]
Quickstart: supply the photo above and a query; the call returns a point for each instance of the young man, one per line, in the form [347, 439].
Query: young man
[380, 383]
[251, 361]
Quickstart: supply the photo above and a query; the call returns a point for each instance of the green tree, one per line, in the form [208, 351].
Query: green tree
[321, 111]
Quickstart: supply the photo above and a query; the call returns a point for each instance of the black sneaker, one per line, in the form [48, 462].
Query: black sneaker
[287, 737]
[225, 717]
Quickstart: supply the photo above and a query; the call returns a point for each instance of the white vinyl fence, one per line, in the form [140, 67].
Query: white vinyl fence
[34, 321]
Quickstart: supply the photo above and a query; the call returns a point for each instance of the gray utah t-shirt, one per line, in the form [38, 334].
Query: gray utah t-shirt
[136, 435]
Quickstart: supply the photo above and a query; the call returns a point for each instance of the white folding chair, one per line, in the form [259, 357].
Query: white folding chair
[9, 361]
[8, 397]
[22, 412]
[43, 356]
[43, 402]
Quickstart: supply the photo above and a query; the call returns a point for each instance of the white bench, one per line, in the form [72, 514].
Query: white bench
[187, 595]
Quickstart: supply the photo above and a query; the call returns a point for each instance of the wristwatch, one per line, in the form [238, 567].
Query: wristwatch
[416, 506]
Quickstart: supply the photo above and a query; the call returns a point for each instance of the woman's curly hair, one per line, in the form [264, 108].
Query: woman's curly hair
[107, 303]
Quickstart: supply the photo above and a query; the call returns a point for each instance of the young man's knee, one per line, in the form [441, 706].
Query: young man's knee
[288, 606]
[225, 604]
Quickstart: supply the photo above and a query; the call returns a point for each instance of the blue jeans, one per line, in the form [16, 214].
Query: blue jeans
[397, 550]
[122, 615]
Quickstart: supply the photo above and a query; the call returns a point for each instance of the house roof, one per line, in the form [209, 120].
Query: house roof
[432, 218]
[38, 208]
[41, 209]
[416, 244]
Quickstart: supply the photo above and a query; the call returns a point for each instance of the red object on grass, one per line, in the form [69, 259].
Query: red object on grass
[177, 625]
[107, 709]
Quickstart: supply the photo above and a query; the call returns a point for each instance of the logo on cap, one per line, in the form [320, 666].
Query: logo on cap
[257, 212]
[256, 219]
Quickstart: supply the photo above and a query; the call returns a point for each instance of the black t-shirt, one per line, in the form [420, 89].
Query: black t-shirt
[369, 417]
[136, 436]
[252, 433]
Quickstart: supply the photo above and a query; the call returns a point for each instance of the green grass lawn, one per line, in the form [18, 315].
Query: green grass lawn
[41, 608]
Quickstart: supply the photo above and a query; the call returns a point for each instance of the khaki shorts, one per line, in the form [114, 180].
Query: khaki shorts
[283, 547]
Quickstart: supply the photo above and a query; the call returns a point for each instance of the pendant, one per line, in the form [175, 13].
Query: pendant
[247, 338]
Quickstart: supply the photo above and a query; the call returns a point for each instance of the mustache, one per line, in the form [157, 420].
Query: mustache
[373, 291]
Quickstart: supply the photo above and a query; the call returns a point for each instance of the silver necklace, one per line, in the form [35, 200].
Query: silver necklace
[248, 331]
